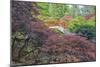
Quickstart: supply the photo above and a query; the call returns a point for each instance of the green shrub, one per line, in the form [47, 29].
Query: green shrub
[83, 27]
[86, 31]
[75, 23]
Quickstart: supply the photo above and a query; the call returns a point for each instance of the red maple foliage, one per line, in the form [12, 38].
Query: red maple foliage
[89, 16]
[73, 48]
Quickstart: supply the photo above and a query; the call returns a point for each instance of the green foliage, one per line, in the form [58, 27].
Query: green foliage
[84, 27]
[19, 35]
[43, 8]
[79, 21]
[76, 22]
[52, 10]
[92, 21]
[57, 31]
[87, 31]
